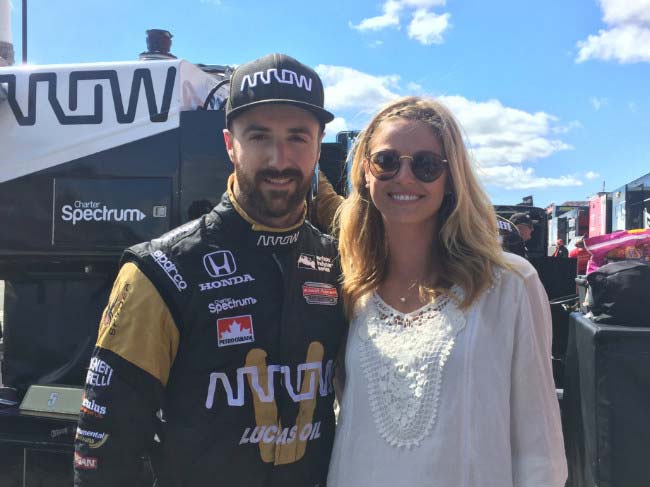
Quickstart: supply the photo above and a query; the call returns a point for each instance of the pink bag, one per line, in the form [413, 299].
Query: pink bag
[620, 245]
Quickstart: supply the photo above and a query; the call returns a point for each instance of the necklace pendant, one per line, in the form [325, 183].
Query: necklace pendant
[402, 299]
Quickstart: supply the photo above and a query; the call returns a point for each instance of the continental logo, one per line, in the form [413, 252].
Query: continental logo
[278, 444]
[94, 439]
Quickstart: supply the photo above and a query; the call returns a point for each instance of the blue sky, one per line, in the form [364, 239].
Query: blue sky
[553, 96]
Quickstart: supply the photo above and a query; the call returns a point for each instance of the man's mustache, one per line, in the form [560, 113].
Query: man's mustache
[272, 173]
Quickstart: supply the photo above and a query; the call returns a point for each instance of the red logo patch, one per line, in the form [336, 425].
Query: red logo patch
[235, 330]
[85, 463]
[320, 293]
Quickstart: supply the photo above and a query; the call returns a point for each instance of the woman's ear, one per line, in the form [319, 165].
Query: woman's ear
[366, 173]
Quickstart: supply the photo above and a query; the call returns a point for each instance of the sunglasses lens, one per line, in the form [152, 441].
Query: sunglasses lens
[385, 164]
[427, 166]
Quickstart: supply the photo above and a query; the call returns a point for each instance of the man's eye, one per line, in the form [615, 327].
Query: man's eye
[298, 138]
[259, 136]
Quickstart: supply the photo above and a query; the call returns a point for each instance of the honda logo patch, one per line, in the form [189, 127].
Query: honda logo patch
[235, 330]
[220, 263]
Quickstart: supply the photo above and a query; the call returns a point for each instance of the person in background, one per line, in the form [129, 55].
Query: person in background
[582, 254]
[448, 357]
[560, 249]
[524, 224]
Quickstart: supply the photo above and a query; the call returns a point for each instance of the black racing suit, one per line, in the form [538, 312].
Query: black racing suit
[215, 357]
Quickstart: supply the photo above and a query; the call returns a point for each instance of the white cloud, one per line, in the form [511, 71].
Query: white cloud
[627, 44]
[591, 175]
[347, 88]
[516, 177]
[427, 27]
[502, 139]
[628, 38]
[390, 18]
[598, 103]
[501, 135]
[563, 129]
[375, 44]
[339, 124]
[622, 11]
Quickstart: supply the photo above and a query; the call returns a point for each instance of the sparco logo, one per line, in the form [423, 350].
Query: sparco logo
[220, 263]
[286, 76]
[91, 211]
[170, 269]
[141, 78]
[272, 240]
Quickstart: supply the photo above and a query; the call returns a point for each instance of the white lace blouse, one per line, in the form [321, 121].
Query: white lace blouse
[447, 398]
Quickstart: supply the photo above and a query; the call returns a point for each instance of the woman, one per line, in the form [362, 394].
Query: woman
[448, 359]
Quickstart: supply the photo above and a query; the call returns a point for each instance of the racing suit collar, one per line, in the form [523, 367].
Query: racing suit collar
[241, 230]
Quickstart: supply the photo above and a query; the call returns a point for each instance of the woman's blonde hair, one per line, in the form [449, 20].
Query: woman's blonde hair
[467, 240]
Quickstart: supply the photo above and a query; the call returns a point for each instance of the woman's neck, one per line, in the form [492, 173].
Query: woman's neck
[412, 262]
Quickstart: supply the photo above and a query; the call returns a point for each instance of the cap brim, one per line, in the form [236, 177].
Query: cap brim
[322, 115]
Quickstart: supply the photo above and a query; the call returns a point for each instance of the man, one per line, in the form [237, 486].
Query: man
[560, 249]
[219, 337]
[524, 224]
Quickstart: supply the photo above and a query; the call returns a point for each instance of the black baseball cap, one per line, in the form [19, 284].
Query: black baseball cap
[522, 219]
[276, 78]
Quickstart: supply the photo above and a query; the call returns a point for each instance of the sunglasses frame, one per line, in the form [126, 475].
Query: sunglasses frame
[388, 175]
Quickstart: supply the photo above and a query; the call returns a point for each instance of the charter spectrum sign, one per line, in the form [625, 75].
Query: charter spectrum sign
[94, 211]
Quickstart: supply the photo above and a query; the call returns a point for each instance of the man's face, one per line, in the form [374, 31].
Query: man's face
[526, 231]
[274, 149]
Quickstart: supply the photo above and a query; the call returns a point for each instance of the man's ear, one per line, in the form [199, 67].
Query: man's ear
[229, 139]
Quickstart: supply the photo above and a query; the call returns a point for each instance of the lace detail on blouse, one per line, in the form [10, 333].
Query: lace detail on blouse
[403, 357]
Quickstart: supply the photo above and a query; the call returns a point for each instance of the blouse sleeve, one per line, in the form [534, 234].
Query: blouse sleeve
[538, 457]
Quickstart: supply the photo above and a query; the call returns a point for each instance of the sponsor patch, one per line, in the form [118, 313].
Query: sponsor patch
[274, 240]
[220, 263]
[85, 463]
[235, 330]
[94, 439]
[91, 408]
[114, 308]
[315, 262]
[229, 281]
[227, 304]
[280, 436]
[99, 373]
[320, 293]
[170, 269]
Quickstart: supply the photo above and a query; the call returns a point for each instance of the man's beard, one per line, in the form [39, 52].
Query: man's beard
[271, 203]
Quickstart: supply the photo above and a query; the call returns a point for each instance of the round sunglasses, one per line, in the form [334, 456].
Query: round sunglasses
[427, 166]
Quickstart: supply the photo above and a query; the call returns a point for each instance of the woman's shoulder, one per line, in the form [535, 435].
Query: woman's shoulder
[517, 266]
[515, 274]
